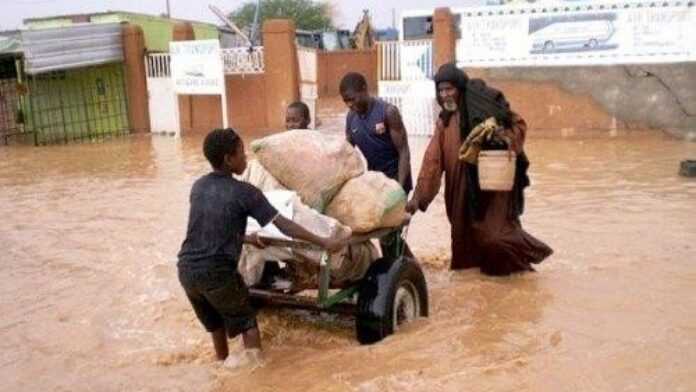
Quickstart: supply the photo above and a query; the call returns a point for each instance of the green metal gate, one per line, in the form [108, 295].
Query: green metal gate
[11, 117]
[82, 104]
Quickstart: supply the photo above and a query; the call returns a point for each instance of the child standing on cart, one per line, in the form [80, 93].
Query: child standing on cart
[220, 206]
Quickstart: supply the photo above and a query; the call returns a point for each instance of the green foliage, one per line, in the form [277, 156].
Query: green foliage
[307, 14]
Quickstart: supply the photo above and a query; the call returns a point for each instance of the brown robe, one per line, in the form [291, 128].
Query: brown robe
[497, 243]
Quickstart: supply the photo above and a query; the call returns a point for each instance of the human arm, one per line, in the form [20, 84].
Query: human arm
[399, 137]
[430, 176]
[293, 230]
[255, 240]
[259, 208]
[516, 133]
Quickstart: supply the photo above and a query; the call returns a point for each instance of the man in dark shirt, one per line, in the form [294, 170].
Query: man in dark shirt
[376, 128]
[220, 206]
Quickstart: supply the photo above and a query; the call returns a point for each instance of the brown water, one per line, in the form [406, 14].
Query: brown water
[90, 300]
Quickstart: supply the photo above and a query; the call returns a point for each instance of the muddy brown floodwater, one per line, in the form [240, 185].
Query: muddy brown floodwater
[90, 300]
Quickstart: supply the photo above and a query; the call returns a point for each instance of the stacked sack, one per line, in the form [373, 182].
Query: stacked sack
[329, 175]
[312, 164]
[335, 193]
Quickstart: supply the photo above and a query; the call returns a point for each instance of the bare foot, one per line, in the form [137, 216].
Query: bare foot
[251, 358]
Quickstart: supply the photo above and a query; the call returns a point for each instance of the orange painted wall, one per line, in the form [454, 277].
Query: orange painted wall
[331, 66]
[547, 106]
[246, 106]
[246, 101]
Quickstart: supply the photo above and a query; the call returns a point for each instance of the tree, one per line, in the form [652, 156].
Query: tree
[307, 14]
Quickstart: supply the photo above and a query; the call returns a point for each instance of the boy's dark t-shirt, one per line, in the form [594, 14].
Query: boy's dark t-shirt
[220, 206]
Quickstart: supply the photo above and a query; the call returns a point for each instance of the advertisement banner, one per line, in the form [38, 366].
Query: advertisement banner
[593, 33]
[197, 67]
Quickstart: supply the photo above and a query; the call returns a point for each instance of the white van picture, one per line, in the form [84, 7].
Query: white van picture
[571, 36]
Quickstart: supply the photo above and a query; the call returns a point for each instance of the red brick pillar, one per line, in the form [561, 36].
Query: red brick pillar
[444, 37]
[282, 71]
[183, 31]
[136, 80]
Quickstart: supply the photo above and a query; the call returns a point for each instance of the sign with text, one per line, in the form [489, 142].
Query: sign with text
[197, 67]
[589, 33]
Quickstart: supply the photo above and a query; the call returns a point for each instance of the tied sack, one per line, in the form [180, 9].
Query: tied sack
[313, 164]
[369, 202]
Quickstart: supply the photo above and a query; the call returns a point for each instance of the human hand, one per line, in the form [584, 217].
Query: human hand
[337, 242]
[412, 206]
[254, 240]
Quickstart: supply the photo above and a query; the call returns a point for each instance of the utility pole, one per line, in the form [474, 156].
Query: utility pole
[169, 10]
[393, 18]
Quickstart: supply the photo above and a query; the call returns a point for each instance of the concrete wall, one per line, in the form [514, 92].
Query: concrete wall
[331, 66]
[282, 70]
[246, 101]
[246, 106]
[158, 30]
[602, 97]
[48, 23]
[205, 114]
[136, 81]
[444, 37]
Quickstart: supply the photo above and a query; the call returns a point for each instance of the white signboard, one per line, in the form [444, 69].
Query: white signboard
[197, 67]
[588, 33]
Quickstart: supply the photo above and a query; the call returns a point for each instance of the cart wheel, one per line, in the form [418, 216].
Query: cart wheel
[391, 295]
[406, 305]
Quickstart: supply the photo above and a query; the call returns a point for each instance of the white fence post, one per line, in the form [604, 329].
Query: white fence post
[307, 59]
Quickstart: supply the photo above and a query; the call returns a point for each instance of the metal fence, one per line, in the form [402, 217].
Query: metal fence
[77, 105]
[158, 65]
[405, 80]
[405, 60]
[243, 60]
[234, 61]
[418, 114]
[389, 53]
[11, 115]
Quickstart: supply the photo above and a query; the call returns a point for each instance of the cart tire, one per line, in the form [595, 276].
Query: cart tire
[391, 294]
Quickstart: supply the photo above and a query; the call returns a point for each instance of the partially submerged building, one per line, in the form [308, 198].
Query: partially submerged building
[63, 78]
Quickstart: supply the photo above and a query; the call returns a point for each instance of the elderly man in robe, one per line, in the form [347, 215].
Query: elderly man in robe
[485, 226]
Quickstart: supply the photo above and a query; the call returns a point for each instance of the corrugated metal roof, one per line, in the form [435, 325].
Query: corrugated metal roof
[9, 45]
[71, 47]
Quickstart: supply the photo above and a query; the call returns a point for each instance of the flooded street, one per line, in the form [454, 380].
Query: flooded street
[90, 299]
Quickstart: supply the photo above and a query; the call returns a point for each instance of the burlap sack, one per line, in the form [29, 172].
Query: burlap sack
[369, 202]
[313, 164]
[257, 175]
